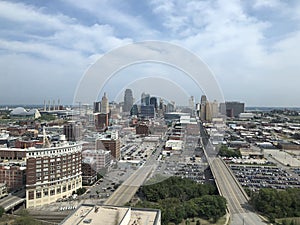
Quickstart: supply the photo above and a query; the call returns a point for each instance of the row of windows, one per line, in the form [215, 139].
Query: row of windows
[52, 160]
[46, 192]
[58, 173]
[65, 150]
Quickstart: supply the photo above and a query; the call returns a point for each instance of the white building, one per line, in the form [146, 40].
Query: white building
[112, 215]
[174, 144]
[102, 158]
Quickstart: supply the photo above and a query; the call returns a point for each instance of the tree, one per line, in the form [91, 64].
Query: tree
[228, 152]
[80, 191]
[2, 211]
[179, 199]
[277, 204]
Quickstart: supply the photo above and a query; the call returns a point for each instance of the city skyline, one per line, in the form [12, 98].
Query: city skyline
[251, 47]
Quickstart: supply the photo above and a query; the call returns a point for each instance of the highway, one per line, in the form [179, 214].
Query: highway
[237, 200]
[11, 201]
[228, 186]
[240, 210]
[128, 188]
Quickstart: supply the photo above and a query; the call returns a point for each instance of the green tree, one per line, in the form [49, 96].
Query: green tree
[81, 191]
[277, 204]
[2, 211]
[180, 199]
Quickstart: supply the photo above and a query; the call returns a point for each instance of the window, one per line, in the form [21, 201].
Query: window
[38, 194]
[52, 192]
[31, 195]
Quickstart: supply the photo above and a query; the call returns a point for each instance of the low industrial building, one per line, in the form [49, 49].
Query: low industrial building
[174, 145]
[112, 215]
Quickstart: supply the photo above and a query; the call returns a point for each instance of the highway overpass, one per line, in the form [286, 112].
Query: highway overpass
[12, 200]
[128, 188]
[241, 213]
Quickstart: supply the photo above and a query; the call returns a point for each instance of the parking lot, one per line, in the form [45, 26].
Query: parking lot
[256, 177]
[187, 163]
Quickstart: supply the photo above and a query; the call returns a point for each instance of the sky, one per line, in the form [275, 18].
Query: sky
[251, 47]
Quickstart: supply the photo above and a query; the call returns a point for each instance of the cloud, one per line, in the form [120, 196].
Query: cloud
[115, 14]
[240, 46]
[248, 44]
[66, 33]
[53, 41]
[26, 14]
[267, 4]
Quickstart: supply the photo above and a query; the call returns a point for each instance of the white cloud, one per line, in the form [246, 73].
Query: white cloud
[232, 36]
[25, 14]
[267, 3]
[53, 41]
[233, 43]
[66, 32]
[112, 12]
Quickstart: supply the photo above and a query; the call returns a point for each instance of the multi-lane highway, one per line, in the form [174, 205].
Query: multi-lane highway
[129, 187]
[127, 190]
[237, 200]
[9, 202]
[240, 211]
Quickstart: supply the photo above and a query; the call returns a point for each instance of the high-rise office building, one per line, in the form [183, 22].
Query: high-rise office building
[203, 108]
[101, 120]
[161, 104]
[110, 141]
[104, 104]
[215, 109]
[153, 101]
[73, 131]
[97, 106]
[207, 110]
[147, 111]
[134, 110]
[233, 109]
[128, 100]
[170, 107]
[145, 99]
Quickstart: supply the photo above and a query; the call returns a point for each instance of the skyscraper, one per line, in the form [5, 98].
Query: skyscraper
[208, 110]
[97, 106]
[203, 108]
[104, 104]
[145, 99]
[153, 101]
[128, 100]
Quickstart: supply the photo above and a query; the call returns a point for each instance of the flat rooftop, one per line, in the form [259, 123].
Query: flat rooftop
[112, 215]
